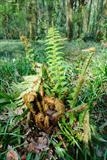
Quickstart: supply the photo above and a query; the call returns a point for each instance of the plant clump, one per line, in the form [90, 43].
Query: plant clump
[45, 110]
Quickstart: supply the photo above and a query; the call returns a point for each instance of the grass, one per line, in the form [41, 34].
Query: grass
[93, 90]
[11, 48]
[12, 71]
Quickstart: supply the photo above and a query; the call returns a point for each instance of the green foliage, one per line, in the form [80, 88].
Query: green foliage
[11, 49]
[39, 51]
[55, 63]
[80, 82]
[16, 17]
[75, 127]
[96, 82]
[12, 21]
[12, 71]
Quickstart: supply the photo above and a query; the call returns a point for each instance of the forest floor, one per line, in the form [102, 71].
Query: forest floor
[21, 139]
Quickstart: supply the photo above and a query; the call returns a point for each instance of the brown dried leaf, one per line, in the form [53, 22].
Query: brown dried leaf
[11, 154]
[29, 97]
[46, 122]
[41, 91]
[18, 111]
[49, 100]
[40, 145]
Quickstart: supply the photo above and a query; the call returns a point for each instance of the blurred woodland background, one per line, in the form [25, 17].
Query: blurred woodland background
[86, 19]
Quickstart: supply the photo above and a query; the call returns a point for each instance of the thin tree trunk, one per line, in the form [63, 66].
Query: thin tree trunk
[85, 18]
[69, 19]
[32, 19]
[50, 13]
[89, 14]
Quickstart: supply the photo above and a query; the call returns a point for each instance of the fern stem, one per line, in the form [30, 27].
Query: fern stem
[81, 80]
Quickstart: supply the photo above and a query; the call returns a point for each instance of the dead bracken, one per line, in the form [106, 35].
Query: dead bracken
[46, 111]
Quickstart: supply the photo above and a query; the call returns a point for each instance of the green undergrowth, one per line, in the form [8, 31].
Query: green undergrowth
[13, 70]
[11, 48]
[65, 64]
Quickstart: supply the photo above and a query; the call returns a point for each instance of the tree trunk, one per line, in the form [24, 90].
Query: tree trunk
[32, 19]
[89, 14]
[69, 20]
[84, 19]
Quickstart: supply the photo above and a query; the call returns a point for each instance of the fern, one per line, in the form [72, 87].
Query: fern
[55, 63]
[74, 96]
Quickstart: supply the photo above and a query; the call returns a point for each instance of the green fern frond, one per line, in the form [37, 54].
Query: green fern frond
[55, 63]
[80, 81]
